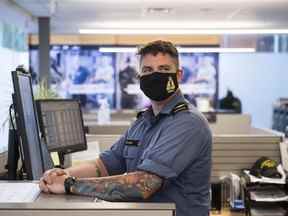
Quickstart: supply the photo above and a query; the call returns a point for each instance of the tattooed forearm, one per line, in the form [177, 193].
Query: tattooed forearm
[131, 187]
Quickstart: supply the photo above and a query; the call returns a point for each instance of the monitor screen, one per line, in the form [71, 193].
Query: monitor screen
[61, 124]
[27, 125]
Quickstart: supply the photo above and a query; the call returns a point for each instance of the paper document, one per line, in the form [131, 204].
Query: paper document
[284, 154]
[254, 179]
[276, 211]
[276, 195]
[18, 192]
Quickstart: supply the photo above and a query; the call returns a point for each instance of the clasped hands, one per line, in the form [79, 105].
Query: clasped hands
[53, 181]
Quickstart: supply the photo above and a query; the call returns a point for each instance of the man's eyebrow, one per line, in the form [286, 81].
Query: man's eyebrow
[146, 67]
[165, 66]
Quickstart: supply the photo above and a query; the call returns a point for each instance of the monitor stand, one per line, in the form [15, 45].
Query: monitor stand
[13, 157]
[61, 157]
[64, 160]
[47, 159]
[14, 150]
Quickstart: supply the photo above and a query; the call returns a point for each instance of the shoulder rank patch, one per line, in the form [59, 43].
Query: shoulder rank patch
[180, 107]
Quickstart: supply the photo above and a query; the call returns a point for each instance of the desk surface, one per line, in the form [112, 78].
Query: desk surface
[226, 212]
[71, 202]
[62, 205]
[64, 202]
[49, 203]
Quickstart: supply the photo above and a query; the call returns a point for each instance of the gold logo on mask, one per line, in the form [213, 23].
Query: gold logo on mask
[170, 85]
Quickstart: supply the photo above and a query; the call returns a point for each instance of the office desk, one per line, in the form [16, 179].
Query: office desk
[62, 205]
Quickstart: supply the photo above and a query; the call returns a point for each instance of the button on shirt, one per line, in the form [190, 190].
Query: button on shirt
[173, 145]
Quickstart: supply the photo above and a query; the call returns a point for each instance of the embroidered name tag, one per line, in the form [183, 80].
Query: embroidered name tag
[131, 142]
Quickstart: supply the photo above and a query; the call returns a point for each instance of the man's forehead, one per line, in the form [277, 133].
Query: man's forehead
[158, 59]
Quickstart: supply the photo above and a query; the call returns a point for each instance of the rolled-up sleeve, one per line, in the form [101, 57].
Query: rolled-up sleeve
[113, 159]
[177, 146]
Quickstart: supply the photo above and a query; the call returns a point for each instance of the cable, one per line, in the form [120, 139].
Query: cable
[16, 136]
[11, 118]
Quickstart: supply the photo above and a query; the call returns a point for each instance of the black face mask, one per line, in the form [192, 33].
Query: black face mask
[159, 86]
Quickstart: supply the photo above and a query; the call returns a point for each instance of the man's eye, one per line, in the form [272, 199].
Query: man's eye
[166, 69]
[146, 71]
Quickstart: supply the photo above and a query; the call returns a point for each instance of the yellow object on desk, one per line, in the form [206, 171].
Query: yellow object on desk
[227, 212]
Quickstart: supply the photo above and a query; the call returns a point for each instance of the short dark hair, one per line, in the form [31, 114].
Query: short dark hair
[159, 46]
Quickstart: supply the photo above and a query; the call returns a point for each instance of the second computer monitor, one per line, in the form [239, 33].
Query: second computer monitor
[61, 124]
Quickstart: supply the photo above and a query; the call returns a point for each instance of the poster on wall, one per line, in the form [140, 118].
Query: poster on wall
[128, 83]
[85, 73]
[200, 77]
[81, 73]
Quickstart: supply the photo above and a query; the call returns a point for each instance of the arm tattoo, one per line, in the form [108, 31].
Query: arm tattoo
[130, 187]
[98, 172]
[100, 169]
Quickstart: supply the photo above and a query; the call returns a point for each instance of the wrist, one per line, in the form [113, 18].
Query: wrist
[67, 172]
[68, 183]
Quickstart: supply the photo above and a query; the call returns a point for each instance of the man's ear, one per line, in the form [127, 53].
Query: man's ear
[179, 75]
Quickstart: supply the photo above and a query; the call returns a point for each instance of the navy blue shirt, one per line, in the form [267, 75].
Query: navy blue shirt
[173, 145]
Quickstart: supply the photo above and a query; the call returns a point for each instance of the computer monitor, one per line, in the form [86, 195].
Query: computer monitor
[27, 125]
[61, 125]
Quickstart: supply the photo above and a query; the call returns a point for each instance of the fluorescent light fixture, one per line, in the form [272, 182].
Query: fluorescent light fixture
[214, 50]
[183, 31]
[182, 50]
[158, 10]
[173, 24]
[117, 49]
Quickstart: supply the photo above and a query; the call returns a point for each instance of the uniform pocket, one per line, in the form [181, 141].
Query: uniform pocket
[131, 152]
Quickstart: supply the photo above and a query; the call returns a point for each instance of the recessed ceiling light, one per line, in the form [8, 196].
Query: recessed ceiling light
[158, 10]
[206, 9]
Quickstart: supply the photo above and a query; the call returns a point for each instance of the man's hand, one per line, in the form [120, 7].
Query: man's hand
[50, 177]
[57, 186]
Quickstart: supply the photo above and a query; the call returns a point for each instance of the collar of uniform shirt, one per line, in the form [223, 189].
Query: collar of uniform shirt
[167, 109]
[177, 98]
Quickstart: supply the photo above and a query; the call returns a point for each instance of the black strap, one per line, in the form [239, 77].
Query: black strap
[140, 113]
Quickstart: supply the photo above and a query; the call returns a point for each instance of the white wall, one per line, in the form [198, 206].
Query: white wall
[258, 79]
[9, 59]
